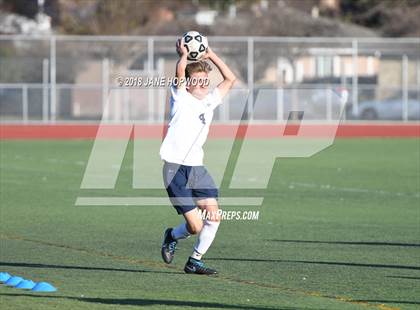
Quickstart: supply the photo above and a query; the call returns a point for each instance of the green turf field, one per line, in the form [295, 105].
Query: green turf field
[340, 230]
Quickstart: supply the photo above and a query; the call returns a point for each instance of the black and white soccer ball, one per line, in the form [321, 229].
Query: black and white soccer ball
[196, 45]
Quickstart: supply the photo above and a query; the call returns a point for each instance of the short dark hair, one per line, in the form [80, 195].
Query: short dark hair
[197, 66]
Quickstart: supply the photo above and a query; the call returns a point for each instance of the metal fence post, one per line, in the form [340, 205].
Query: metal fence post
[280, 104]
[150, 67]
[329, 103]
[53, 85]
[418, 78]
[354, 88]
[279, 92]
[126, 104]
[45, 65]
[25, 103]
[404, 86]
[250, 76]
[105, 82]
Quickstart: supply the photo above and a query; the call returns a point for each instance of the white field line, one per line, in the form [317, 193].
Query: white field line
[160, 201]
[57, 161]
[352, 189]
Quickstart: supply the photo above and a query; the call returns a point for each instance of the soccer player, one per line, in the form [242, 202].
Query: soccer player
[188, 183]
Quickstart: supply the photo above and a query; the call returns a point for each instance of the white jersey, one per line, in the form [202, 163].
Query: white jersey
[188, 127]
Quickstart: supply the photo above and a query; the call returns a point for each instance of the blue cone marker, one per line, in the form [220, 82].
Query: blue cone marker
[26, 285]
[43, 287]
[4, 276]
[13, 281]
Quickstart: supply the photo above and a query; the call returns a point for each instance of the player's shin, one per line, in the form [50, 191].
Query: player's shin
[205, 238]
[180, 232]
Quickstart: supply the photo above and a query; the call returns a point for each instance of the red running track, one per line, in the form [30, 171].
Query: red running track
[90, 131]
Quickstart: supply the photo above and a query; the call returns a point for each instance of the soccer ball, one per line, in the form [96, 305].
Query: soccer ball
[196, 45]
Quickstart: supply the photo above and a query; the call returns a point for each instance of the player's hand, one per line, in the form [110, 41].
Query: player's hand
[208, 54]
[180, 48]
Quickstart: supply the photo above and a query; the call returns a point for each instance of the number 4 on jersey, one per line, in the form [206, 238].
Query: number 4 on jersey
[202, 119]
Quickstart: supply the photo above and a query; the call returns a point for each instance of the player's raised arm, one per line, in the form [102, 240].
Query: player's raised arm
[228, 77]
[181, 64]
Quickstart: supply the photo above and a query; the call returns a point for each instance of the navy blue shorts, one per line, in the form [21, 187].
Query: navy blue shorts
[187, 184]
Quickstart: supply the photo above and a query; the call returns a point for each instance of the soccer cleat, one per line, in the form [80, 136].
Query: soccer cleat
[168, 246]
[198, 267]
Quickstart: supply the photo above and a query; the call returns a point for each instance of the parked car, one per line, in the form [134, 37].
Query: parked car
[390, 108]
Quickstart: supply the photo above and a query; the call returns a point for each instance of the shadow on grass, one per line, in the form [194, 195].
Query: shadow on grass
[349, 242]
[315, 263]
[156, 302]
[32, 265]
[390, 301]
[404, 277]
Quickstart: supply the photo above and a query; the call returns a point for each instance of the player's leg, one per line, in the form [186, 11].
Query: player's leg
[205, 238]
[175, 179]
[192, 225]
[211, 224]
[205, 193]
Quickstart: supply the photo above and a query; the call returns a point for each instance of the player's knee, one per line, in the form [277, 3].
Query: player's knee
[213, 213]
[216, 217]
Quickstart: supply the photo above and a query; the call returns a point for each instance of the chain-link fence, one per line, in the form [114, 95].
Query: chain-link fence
[71, 78]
